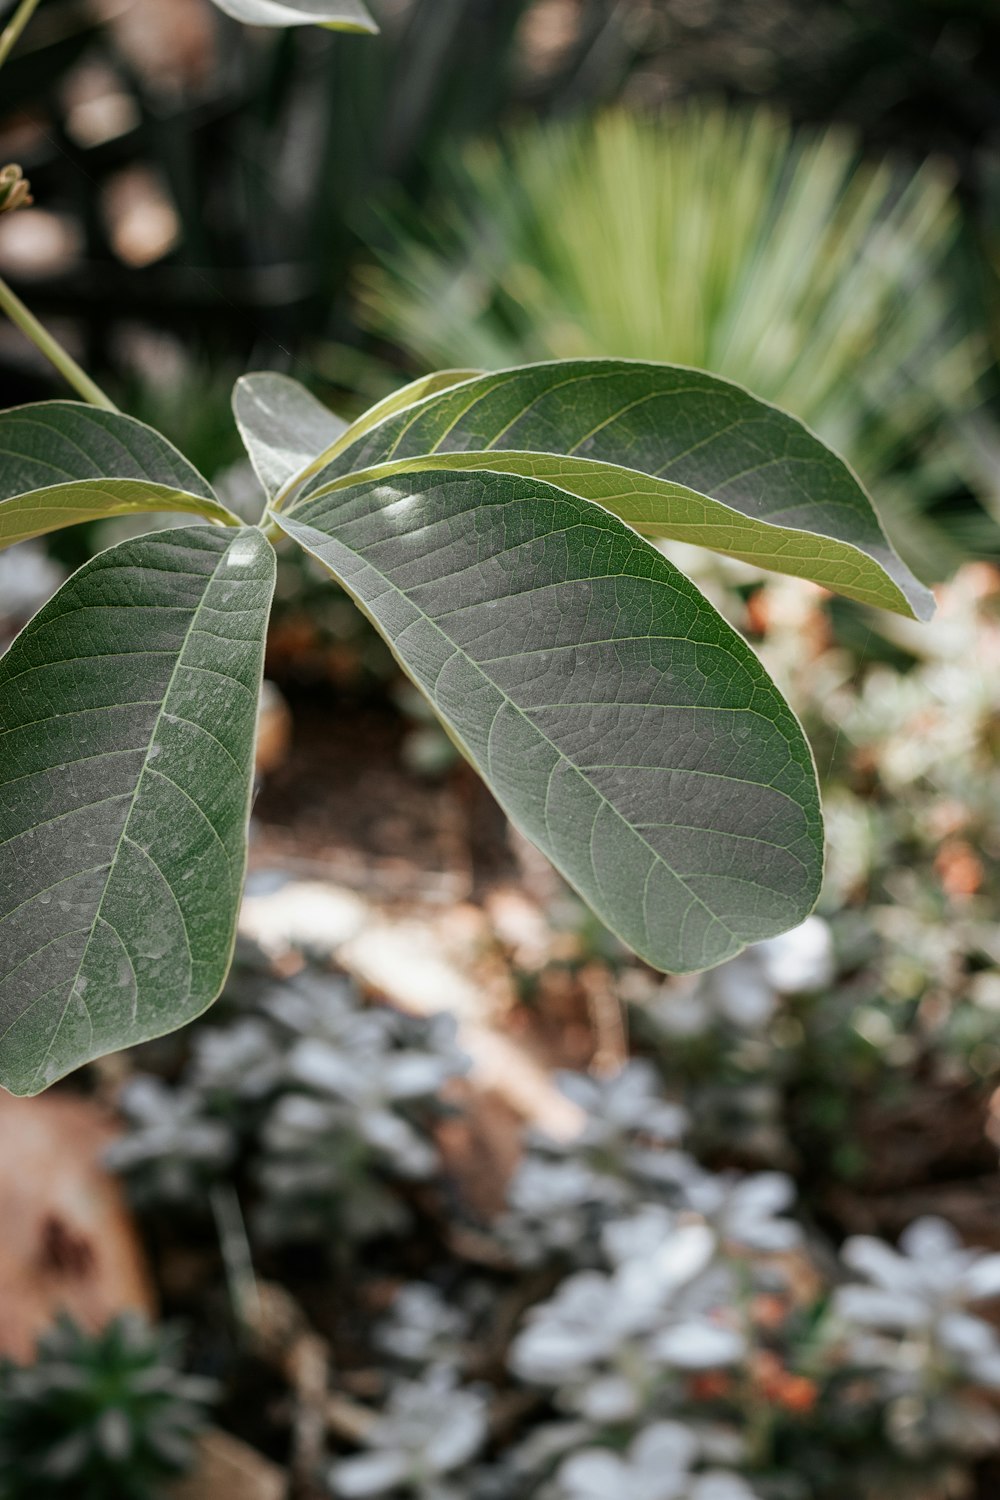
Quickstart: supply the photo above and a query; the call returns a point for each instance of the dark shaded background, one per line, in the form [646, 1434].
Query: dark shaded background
[273, 152]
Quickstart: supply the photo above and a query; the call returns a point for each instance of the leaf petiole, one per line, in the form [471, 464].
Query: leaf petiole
[54, 352]
[11, 33]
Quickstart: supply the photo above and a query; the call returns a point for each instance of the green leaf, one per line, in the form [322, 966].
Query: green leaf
[289, 435]
[62, 462]
[283, 427]
[401, 400]
[128, 710]
[661, 510]
[337, 15]
[325, 453]
[621, 723]
[695, 457]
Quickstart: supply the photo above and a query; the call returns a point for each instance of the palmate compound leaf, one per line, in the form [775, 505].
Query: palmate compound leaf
[127, 720]
[62, 462]
[675, 452]
[338, 15]
[624, 727]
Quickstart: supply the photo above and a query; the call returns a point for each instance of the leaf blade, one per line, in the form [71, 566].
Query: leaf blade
[677, 426]
[26, 516]
[283, 427]
[124, 804]
[336, 15]
[64, 462]
[401, 400]
[586, 739]
[663, 511]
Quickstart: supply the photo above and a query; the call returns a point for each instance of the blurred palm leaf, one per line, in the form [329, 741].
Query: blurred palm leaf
[722, 239]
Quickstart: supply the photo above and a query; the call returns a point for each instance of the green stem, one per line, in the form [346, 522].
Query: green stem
[81, 382]
[14, 27]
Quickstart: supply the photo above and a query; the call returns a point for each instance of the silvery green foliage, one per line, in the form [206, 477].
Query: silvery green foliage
[423, 1328]
[749, 1211]
[323, 1101]
[172, 1148]
[624, 1157]
[351, 1114]
[627, 1121]
[98, 1415]
[739, 1097]
[429, 1432]
[608, 1342]
[563, 1191]
[236, 1064]
[552, 1206]
[909, 1322]
[658, 1465]
[674, 1259]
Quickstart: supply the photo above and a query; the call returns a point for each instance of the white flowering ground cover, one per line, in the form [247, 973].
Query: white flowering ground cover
[740, 1277]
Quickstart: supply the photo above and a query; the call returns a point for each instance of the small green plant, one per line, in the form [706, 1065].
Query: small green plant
[499, 531]
[324, 1108]
[104, 1416]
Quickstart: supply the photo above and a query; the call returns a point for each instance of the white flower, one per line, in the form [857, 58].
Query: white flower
[657, 1466]
[622, 1107]
[925, 1287]
[422, 1328]
[745, 1210]
[428, 1430]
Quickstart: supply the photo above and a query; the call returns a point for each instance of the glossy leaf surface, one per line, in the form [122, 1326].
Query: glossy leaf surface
[401, 400]
[62, 462]
[283, 427]
[710, 456]
[622, 724]
[127, 722]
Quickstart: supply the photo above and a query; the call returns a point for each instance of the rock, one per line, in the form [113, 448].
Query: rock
[274, 730]
[68, 1241]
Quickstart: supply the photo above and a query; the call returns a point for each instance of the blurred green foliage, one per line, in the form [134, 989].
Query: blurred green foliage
[723, 239]
[105, 1416]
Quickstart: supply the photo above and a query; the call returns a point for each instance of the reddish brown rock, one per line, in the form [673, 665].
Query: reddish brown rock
[67, 1241]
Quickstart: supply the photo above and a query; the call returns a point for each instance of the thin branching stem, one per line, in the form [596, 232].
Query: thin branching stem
[12, 31]
[54, 352]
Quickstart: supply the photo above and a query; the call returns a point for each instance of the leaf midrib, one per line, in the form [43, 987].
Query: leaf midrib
[209, 579]
[458, 650]
[837, 549]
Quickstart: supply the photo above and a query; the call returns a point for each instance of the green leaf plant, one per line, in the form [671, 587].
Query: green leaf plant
[499, 530]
